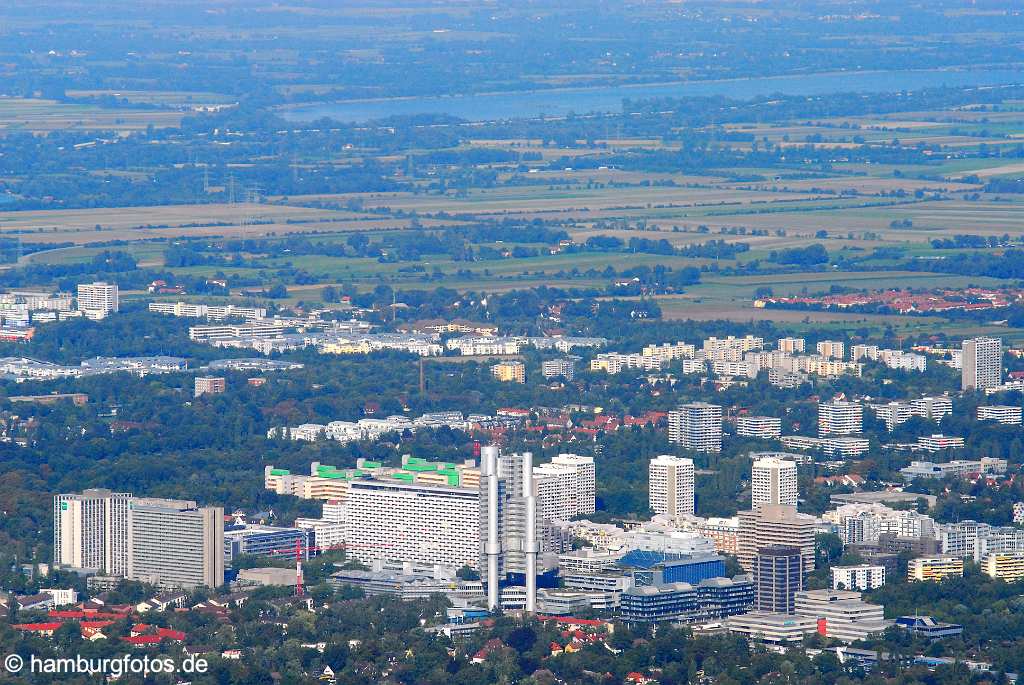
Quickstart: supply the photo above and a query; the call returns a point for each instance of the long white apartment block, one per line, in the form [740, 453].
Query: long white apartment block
[208, 311]
[860, 577]
[1005, 414]
[668, 352]
[566, 487]
[253, 329]
[744, 344]
[764, 427]
[671, 485]
[425, 524]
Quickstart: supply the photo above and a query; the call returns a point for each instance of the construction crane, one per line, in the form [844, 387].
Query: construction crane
[301, 550]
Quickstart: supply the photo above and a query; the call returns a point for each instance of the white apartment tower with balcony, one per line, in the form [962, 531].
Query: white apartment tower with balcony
[981, 363]
[671, 485]
[696, 426]
[97, 300]
[840, 418]
[773, 481]
[90, 530]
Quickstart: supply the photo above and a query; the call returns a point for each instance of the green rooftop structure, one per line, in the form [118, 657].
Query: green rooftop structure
[280, 472]
[420, 466]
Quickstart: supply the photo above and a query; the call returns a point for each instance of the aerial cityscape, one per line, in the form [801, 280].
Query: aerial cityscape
[547, 342]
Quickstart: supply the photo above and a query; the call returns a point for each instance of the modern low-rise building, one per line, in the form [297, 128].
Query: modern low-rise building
[771, 628]
[710, 599]
[842, 615]
[762, 427]
[959, 468]
[934, 568]
[928, 627]
[859, 577]
[1002, 413]
[1005, 566]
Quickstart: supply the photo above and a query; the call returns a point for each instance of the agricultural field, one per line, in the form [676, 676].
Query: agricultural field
[871, 215]
[188, 221]
[43, 116]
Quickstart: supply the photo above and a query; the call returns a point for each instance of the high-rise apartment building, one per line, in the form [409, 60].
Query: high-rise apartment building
[981, 363]
[859, 577]
[90, 530]
[831, 349]
[97, 300]
[933, 408]
[775, 525]
[209, 385]
[670, 485]
[773, 481]
[792, 345]
[509, 372]
[696, 426]
[566, 487]
[778, 576]
[407, 521]
[840, 418]
[176, 543]
[565, 367]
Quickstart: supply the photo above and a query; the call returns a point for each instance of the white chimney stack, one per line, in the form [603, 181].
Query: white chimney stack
[492, 548]
[530, 546]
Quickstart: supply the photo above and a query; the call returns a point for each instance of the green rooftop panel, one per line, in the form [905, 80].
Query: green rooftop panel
[372, 465]
[280, 472]
[420, 467]
[407, 477]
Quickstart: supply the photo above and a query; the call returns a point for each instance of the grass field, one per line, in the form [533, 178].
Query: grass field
[171, 221]
[42, 116]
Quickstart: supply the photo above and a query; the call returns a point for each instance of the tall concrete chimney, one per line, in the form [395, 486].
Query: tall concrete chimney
[492, 548]
[530, 547]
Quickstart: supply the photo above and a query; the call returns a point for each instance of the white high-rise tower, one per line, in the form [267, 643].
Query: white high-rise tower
[670, 485]
[773, 481]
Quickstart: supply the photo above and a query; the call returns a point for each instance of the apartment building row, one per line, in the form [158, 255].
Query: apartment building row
[373, 428]
[170, 543]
